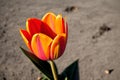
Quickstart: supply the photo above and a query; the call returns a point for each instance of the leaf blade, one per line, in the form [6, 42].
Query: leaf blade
[43, 66]
[71, 72]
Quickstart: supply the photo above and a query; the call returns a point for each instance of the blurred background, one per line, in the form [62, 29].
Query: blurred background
[94, 37]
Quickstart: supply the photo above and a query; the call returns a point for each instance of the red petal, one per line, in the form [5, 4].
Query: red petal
[26, 37]
[33, 25]
[47, 30]
[37, 26]
[66, 30]
[58, 46]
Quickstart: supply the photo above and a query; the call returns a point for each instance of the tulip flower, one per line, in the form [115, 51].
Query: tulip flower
[46, 38]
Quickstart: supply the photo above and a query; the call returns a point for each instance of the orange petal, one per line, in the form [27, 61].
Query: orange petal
[41, 45]
[58, 46]
[49, 19]
[59, 25]
[33, 25]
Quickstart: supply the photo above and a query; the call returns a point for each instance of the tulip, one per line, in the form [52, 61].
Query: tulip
[46, 38]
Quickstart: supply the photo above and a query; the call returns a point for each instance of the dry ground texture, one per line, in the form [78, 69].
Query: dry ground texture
[94, 37]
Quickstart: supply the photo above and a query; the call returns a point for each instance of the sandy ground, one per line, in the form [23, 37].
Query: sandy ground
[94, 37]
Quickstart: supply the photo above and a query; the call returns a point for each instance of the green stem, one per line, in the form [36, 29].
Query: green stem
[53, 70]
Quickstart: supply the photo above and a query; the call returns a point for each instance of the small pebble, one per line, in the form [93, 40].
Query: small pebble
[39, 78]
[108, 71]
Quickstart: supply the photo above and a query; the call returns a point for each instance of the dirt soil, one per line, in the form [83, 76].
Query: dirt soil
[94, 37]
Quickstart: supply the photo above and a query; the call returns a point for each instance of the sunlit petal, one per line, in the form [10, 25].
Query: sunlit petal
[59, 25]
[49, 19]
[41, 45]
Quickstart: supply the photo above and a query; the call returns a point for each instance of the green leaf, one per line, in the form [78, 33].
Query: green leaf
[43, 66]
[44, 78]
[71, 72]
